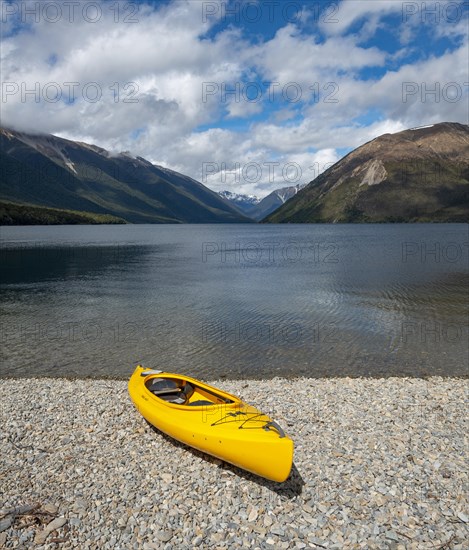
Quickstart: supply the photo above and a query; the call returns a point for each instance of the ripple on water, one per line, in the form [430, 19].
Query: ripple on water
[90, 302]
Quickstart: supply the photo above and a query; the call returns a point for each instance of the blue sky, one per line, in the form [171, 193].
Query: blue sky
[210, 88]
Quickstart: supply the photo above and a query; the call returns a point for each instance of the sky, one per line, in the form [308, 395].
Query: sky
[243, 95]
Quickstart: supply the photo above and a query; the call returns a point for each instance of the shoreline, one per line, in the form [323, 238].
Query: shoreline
[225, 379]
[379, 463]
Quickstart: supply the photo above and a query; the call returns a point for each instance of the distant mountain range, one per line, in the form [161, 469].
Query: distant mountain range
[38, 171]
[244, 203]
[418, 175]
[257, 209]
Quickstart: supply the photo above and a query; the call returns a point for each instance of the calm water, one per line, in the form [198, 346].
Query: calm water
[235, 300]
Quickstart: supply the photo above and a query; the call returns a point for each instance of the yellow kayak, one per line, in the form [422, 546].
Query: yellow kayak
[212, 421]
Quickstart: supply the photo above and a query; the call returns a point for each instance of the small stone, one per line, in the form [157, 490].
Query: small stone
[167, 478]
[391, 535]
[5, 523]
[3, 539]
[51, 508]
[197, 541]
[317, 541]
[80, 504]
[267, 521]
[253, 515]
[121, 522]
[165, 536]
[463, 517]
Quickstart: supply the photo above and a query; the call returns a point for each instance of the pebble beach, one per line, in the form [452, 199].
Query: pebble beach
[379, 463]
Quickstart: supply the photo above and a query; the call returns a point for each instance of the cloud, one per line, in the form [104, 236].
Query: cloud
[313, 61]
[352, 11]
[160, 56]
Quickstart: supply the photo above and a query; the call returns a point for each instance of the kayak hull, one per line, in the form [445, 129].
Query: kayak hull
[227, 428]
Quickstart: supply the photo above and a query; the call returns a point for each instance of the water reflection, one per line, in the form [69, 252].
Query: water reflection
[235, 301]
[28, 264]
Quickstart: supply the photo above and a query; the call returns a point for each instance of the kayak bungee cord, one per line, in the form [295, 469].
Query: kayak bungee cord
[253, 417]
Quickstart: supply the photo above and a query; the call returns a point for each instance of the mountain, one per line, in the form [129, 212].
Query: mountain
[418, 175]
[48, 171]
[255, 208]
[274, 201]
[244, 203]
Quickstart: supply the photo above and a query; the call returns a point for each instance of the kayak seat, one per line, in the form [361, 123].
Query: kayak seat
[187, 390]
[200, 402]
[170, 391]
[179, 396]
[175, 398]
[162, 385]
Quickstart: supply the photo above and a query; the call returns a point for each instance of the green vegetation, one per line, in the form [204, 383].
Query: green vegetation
[412, 176]
[21, 214]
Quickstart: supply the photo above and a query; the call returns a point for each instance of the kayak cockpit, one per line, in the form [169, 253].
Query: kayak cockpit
[181, 392]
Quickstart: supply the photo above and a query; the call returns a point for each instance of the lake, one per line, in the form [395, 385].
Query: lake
[235, 301]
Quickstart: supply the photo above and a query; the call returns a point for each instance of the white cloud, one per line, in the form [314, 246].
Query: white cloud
[313, 61]
[350, 11]
[162, 54]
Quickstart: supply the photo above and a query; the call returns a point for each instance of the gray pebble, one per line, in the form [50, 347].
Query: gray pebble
[164, 536]
[197, 541]
[5, 523]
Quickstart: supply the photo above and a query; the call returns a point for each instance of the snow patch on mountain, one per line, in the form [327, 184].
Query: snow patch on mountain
[422, 127]
[288, 192]
[240, 198]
